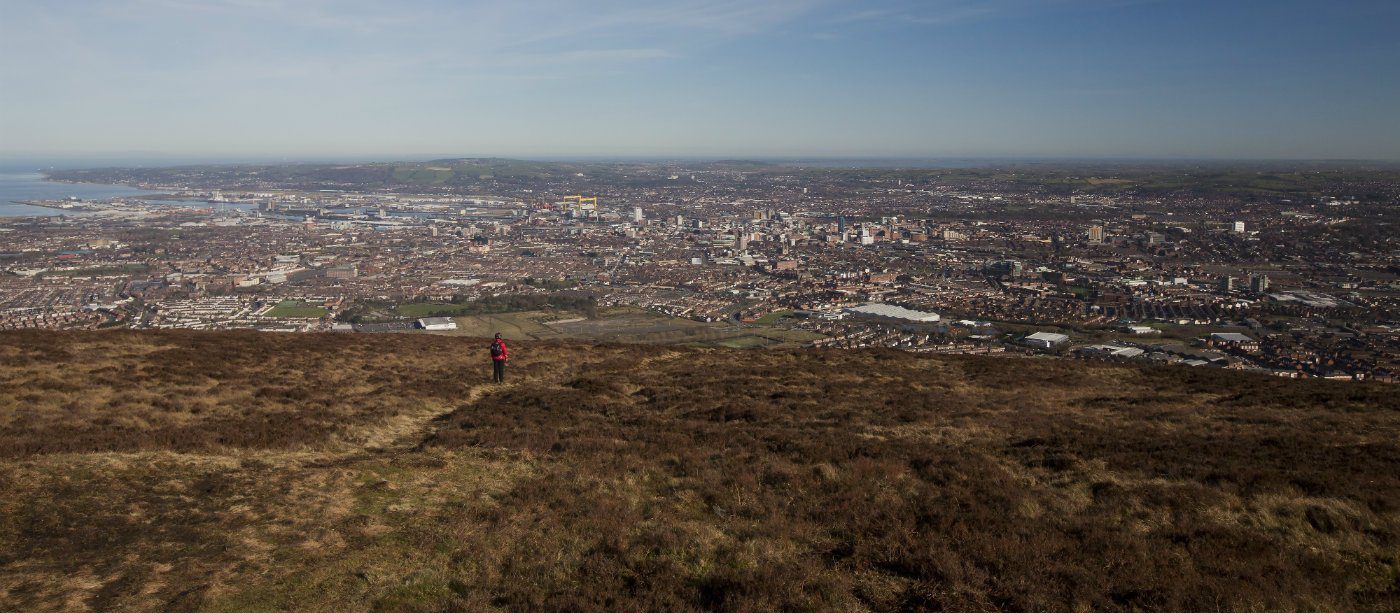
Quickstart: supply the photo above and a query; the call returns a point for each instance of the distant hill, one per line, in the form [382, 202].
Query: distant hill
[741, 164]
[246, 471]
[504, 175]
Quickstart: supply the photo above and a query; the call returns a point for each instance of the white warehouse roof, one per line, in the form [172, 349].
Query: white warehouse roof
[437, 323]
[1114, 350]
[1230, 337]
[893, 312]
[460, 282]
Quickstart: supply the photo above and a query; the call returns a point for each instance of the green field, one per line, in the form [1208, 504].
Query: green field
[772, 318]
[751, 337]
[524, 325]
[618, 324]
[626, 325]
[296, 309]
[744, 342]
[419, 175]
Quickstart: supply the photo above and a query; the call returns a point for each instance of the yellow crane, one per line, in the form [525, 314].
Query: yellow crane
[589, 203]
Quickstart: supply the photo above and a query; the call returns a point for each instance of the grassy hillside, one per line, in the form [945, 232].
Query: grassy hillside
[246, 471]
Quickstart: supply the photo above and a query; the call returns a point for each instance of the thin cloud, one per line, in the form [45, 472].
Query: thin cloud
[349, 15]
[582, 56]
[946, 12]
[703, 17]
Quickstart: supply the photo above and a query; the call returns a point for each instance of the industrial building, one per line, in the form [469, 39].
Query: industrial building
[436, 323]
[1233, 340]
[1111, 351]
[894, 312]
[1046, 340]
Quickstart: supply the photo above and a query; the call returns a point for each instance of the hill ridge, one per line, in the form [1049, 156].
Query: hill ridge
[242, 470]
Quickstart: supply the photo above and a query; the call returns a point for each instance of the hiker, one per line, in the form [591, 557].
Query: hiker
[499, 355]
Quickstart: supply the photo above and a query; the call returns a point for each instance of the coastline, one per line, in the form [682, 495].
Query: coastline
[36, 194]
[52, 204]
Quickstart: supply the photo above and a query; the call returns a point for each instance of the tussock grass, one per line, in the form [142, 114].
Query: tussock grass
[231, 471]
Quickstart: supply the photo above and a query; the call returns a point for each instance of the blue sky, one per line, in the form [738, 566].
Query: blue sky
[977, 78]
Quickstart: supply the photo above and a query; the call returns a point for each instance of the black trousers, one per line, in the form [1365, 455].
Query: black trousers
[499, 371]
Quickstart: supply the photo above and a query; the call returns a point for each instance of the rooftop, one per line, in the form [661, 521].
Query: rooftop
[893, 312]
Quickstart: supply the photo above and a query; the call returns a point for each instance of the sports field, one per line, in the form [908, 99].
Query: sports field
[296, 309]
[524, 325]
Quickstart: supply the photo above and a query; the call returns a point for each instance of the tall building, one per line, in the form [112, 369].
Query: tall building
[1239, 227]
[1227, 283]
[1013, 268]
[841, 224]
[637, 214]
[1096, 234]
[1259, 283]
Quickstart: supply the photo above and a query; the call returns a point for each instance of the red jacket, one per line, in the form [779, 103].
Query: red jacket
[505, 354]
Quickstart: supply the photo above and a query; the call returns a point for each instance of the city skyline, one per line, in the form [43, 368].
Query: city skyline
[807, 78]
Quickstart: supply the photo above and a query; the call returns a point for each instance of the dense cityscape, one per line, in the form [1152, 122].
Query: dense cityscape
[1290, 273]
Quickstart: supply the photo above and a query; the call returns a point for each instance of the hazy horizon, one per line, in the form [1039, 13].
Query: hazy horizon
[700, 79]
[29, 164]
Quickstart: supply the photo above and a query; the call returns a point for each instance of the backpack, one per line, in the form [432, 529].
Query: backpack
[497, 349]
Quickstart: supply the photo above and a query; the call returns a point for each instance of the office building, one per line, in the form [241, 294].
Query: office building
[1258, 283]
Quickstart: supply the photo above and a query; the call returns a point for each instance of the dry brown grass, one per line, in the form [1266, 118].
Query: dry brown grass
[357, 472]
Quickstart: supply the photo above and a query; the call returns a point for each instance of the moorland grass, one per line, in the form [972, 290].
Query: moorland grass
[239, 470]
